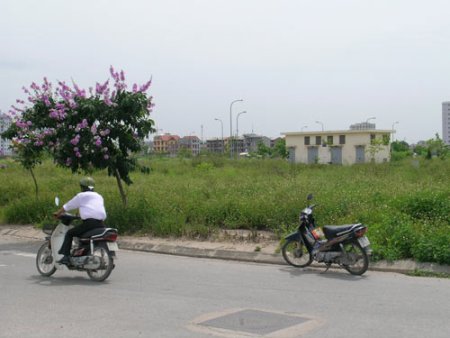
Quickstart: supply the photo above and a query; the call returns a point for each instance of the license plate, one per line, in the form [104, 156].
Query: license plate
[364, 241]
[112, 246]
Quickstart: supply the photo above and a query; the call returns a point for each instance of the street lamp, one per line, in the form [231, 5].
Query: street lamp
[221, 124]
[320, 124]
[237, 122]
[370, 118]
[231, 125]
[393, 131]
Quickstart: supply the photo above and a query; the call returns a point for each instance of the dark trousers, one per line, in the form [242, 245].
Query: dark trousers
[88, 224]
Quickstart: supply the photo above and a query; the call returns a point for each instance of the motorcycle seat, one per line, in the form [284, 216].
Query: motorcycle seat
[93, 232]
[332, 231]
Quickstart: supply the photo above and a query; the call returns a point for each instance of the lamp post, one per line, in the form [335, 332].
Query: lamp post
[370, 118]
[237, 122]
[393, 131]
[231, 125]
[221, 124]
[320, 124]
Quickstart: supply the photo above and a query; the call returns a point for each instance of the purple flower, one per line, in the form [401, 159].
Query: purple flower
[68, 161]
[77, 154]
[98, 142]
[75, 140]
[106, 156]
[94, 129]
[145, 86]
[105, 132]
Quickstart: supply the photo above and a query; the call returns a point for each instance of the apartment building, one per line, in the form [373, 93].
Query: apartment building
[446, 122]
[166, 144]
[191, 143]
[215, 145]
[5, 122]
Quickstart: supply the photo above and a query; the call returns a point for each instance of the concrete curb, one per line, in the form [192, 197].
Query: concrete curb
[219, 252]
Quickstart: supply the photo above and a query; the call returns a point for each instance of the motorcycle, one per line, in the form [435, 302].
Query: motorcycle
[93, 252]
[345, 245]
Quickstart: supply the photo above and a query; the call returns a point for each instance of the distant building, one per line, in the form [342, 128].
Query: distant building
[215, 145]
[191, 143]
[339, 146]
[274, 141]
[251, 142]
[236, 144]
[446, 122]
[362, 126]
[166, 144]
[5, 123]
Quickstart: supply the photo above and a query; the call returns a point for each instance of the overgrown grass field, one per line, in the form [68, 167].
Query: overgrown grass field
[406, 204]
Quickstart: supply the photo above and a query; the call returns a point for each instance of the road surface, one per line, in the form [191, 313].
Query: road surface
[153, 295]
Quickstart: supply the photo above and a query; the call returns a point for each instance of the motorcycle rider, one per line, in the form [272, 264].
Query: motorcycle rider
[92, 212]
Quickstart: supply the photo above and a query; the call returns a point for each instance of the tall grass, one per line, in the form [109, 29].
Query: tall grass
[406, 204]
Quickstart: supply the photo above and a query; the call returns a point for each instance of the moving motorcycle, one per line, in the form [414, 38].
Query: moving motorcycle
[93, 252]
[345, 245]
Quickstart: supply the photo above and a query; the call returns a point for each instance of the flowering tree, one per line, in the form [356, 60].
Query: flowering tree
[84, 131]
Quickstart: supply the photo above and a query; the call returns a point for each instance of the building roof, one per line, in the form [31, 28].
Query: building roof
[342, 132]
[167, 137]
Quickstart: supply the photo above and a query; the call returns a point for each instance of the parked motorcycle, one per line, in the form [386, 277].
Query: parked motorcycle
[93, 252]
[345, 245]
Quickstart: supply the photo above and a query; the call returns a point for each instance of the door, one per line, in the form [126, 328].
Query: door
[360, 154]
[336, 155]
[313, 155]
[291, 154]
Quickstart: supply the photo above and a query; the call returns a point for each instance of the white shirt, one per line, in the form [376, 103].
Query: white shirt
[89, 203]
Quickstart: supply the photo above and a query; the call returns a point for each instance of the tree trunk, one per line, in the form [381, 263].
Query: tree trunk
[36, 188]
[122, 192]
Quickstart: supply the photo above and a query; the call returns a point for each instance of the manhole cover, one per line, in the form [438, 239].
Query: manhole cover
[256, 322]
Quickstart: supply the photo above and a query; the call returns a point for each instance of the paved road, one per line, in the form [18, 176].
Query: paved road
[151, 295]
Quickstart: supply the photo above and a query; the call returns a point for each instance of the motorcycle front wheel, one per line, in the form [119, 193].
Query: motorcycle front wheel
[357, 259]
[45, 262]
[106, 265]
[296, 253]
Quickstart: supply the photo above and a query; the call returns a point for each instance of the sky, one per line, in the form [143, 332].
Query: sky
[296, 64]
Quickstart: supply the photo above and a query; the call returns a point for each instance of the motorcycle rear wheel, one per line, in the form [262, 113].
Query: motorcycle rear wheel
[296, 253]
[107, 265]
[45, 263]
[359, 258]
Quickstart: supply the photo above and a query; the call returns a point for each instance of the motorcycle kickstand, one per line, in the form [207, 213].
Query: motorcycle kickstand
[328, 266]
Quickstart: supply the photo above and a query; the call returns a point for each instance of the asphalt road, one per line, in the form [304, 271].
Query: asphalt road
[151, 295]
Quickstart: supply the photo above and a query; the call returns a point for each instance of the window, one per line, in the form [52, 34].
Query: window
[307, 141]
[318, 140]
[330, 140]
[341, 139]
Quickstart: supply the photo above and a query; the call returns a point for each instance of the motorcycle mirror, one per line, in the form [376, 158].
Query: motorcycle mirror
[310, 197]
[57, 201]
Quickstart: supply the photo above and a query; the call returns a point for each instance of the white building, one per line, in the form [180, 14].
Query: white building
[339, 146]
[446, 122]
[5, 122]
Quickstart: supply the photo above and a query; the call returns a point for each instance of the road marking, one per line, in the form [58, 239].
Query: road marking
[24, 254]
[18, 253]
[3, 265]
